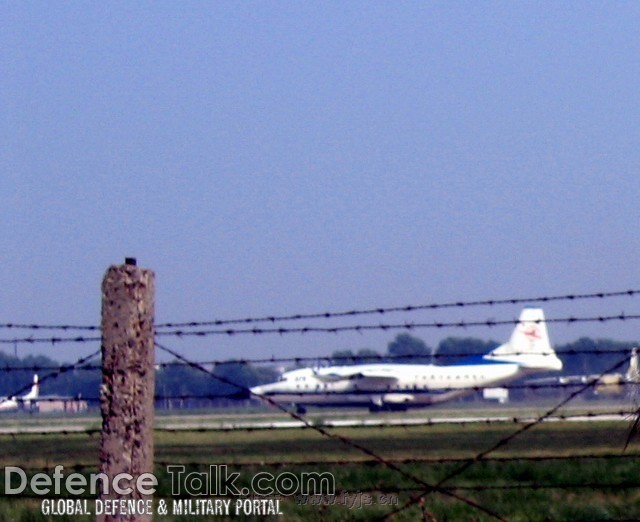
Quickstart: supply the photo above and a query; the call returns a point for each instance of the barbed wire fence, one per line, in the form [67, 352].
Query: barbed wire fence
[422, 488]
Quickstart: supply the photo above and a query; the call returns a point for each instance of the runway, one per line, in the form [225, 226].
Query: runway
[393, 422]
[332, 419]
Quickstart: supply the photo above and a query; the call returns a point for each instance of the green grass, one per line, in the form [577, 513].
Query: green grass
[516, 490]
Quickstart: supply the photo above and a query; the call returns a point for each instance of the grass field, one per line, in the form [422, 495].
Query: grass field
[557, 471]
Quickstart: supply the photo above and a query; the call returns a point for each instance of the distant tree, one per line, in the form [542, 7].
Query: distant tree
[243, 375]
[80, 383]
[178, 380]
[15, 380]
[348, 357]
[174, 380]
[406, 348]
[183, 381]
[588, 356]
[368, 356]
[73, 382]
[342, 358]
[453, 349]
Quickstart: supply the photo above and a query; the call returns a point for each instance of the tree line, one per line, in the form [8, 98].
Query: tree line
[585, 356]
[181, 385]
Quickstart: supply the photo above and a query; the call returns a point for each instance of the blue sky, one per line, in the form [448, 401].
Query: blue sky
[269, 158]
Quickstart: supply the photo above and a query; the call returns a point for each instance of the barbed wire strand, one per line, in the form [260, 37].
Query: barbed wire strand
[350, 313]
[35, 326]
[626, 415]
[504, 441]
[406, 308]
[55, 374]
[51, 340]
[607, 385]
[267, 426]
[490, 323]
[418, 460]
[506, 487]
[337, 359]
[336, 436]
[368, 462]
[333, 500]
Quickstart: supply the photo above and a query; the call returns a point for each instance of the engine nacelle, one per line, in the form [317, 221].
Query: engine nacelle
[397, 398]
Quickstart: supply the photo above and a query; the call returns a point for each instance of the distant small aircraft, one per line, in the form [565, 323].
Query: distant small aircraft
[13, 403]
[633, 372]
[386, 386]
[606, 384]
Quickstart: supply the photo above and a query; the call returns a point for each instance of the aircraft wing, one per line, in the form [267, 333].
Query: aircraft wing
[370, 377]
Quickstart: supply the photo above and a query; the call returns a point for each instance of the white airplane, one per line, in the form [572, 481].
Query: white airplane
[385, 386]
[13, 403]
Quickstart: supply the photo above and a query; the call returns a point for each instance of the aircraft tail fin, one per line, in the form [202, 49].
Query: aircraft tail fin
[35, 390]
[529, 345]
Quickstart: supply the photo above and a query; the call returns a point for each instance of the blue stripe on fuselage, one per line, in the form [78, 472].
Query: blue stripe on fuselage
[478, 360]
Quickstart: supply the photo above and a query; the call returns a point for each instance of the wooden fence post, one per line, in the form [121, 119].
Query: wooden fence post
[128, 381]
